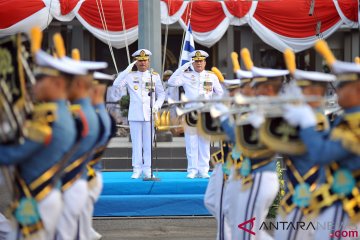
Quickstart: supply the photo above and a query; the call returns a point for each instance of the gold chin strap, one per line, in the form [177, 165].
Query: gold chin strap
[347, 77]
[47, 71]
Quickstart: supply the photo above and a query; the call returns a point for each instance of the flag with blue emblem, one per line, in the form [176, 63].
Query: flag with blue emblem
[188, 46]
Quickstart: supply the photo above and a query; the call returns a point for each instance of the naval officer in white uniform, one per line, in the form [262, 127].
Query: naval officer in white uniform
[138, 84]
[203, 84]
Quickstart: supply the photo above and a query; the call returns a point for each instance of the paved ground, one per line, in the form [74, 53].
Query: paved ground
[157, 228]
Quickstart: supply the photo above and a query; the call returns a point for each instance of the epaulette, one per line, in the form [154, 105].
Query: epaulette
[80, 120]
[155, 73]
[348, 132]
[38, 128]
[75, 109]
[38, 132]
[211, 72]
[45, 113]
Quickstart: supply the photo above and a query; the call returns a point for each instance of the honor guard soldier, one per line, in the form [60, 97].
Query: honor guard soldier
[74, 179]
[224, 159]
[302, 177]
[107, 125]
[142, 86]
[197, 84]
[336, 198]
[258, 168]
[50, 134]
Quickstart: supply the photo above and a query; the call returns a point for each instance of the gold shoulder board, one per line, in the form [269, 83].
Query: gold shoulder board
[38, 132]
[45, 113]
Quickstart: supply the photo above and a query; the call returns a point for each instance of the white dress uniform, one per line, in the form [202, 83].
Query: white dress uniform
[197, 84]
[138, 84]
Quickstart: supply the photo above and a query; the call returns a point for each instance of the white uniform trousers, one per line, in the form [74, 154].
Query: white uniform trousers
[243, 205]
[88, 210]
[294, 217]
[333, 220]
[74, 200]
[141, 145]
[213, 200]
[197, 151]
[50, 211]
[5, 227]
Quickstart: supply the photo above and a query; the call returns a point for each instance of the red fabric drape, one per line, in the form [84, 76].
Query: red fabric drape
[291, 18]
[67, 6]
[14, 11]
[349, 8]
[238, 8]
[175, 5]
[205, 15]
[90, 12]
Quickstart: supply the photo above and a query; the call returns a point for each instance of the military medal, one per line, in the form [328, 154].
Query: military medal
[302, 195]
[343, 182]
[136, 87]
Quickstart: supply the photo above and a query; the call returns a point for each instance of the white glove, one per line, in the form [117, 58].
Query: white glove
[256, 119]
[131, 65]
[222, 110]
[183, 68]
[155, 109]
[123, 74]
[299, 115]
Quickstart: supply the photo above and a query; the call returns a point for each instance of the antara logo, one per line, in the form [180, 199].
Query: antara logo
[251, 222]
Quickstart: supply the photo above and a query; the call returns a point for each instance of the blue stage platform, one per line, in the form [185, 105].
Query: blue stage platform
[173, 195]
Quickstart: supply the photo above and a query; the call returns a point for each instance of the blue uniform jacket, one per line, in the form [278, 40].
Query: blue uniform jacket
[323, 150]
[34, 158]
[88, 142]
[105, 122]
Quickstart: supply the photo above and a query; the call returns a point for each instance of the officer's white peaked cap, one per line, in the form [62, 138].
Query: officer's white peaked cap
[340, 67]
[268, 72]
[261, 75]
[88, 65]
[199, 55]
[43, 59]
[303, 77]
[236, 82]
[102, 76]
[346, 71]
[243, 74]
[142, 54]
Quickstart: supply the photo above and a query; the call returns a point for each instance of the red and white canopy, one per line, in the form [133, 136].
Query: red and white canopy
[280, 23]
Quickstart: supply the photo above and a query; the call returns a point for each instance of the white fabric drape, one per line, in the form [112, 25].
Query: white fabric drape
[346, 20]
[41, 18]
[117, 39]
[166, 18]
[281, 42]
[52, 10]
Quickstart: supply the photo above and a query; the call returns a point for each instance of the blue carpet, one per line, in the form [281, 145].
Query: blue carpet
[173, 195]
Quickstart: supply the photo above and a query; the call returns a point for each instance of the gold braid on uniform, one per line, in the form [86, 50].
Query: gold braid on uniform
[348, 132]
[39, 128]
